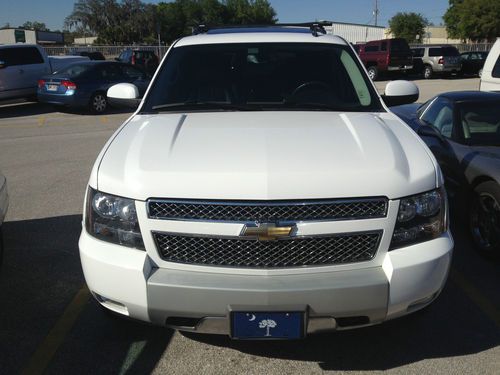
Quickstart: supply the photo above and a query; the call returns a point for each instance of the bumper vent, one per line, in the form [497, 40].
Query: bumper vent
[245, 253]
[268, 211]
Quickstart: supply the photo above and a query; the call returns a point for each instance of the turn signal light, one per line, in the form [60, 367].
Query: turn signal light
[441, 61]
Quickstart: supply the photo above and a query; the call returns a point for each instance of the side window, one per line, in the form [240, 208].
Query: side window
[418, 52]
[433, 52]
[132, 72]
[496, 69]
[465, 56]
[372, 48]
[21, 56]
[111, 73]
[383, 46]
[440, 115]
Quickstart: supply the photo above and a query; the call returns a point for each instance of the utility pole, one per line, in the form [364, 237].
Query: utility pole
[375, 12]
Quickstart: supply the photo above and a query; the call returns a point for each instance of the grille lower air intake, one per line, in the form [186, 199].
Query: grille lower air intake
[251, 253]
[268, 211]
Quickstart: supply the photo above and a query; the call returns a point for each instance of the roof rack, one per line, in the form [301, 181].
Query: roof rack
[316, 28]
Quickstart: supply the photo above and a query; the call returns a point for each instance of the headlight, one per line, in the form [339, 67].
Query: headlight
[421, 218]
[113, 219]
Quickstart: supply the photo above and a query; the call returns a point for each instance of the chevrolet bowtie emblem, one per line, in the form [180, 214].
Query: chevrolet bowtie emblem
[267, 231]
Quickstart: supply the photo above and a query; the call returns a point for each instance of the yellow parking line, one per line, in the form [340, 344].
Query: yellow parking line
[41, 121]
[484, 304]
[48, 348]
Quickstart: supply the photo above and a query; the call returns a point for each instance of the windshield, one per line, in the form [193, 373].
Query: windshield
[265, 76]
[481, 123]
[74, 70]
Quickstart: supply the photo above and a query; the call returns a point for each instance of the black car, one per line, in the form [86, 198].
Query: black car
[85, 84]
[95, 55]
[473, 62]
[462, 129]
[144, 59]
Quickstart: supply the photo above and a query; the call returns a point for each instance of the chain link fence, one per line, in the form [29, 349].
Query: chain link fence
[483, 47]
[110, 52]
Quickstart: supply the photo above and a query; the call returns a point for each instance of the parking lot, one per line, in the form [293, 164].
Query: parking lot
[48, 322]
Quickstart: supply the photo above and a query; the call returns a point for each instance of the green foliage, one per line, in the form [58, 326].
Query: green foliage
[34, 25]
[477, 20]
[408, 26]
[132, 21]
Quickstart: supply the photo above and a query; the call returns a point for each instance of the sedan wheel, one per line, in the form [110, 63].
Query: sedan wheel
[98, 103]
[485, 218]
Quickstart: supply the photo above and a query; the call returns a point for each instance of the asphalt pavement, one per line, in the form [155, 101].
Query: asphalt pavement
[49, 323]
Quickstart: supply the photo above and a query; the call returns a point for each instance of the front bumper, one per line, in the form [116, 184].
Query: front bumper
[130, 282]
[401, 68]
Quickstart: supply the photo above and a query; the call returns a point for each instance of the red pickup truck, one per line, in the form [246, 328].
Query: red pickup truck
[386, 55]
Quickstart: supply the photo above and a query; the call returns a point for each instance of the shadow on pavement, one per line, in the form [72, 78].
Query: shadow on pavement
[450, 327]
[40, 276]
[23, 108]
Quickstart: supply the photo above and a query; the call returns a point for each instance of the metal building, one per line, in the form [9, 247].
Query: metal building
[357, 33]
[12, 36]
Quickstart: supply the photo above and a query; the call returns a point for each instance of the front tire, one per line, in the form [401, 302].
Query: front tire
[428, 72]
[484, 219]
[373, 72]
[98, 103]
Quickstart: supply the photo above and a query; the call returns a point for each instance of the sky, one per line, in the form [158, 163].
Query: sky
[53, 12]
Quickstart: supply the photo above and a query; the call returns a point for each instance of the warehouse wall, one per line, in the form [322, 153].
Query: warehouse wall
[357, 33]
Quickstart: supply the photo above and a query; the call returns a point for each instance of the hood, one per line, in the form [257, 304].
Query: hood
[266, 155]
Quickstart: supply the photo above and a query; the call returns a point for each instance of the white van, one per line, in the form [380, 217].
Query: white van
[22, 65]
[490, 80]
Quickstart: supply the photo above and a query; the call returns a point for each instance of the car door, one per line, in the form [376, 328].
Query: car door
[440, 116]
[22, 69]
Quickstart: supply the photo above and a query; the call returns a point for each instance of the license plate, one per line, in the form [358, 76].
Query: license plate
[52, 87]
[262, 325]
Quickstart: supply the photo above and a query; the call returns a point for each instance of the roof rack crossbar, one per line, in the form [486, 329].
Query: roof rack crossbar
[316, 28]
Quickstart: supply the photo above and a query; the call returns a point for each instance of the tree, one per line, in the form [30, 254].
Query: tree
[408, 26]
[34, 25]
[476, 20]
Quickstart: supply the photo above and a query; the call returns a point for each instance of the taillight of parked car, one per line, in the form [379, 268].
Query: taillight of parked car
[69, 85]
[133, 60]
[41, 83]
[441, 61]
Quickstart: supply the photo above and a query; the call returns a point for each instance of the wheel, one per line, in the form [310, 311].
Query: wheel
[484, 218]
[373, 72]
[480, 73]
[428, 72]
[98, 103]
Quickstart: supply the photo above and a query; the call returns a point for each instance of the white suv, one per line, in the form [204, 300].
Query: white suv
[264, 190]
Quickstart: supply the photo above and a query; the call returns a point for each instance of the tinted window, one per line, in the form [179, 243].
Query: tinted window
[399, 45]
[443, 51]
[110, 72]
[496, 69]
[481, 123]
[131, 72]
[75, 70]
[440, 115]
[372, 48]
[21, 56]
[266, 76]
[418, 52]
[383, 46]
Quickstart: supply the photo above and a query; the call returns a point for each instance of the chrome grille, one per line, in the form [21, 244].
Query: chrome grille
[245, 253]
[268, 211]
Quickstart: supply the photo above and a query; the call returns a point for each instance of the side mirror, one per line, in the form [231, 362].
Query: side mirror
[400, 92]
[124, 95]
[3, 64]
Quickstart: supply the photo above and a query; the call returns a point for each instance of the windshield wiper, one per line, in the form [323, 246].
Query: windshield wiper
[224, 106]
[320, 106]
